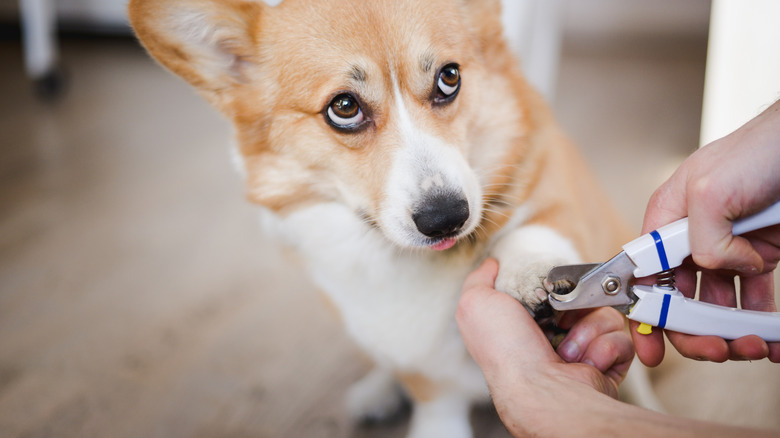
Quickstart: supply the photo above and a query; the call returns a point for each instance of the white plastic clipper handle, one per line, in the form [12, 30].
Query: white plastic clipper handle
[668, 246]
[693, 317]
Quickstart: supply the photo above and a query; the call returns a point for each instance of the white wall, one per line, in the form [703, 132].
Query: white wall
[643, 18]
[105, 12]
[743, 65]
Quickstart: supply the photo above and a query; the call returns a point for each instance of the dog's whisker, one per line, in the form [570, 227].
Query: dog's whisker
[493, 169]
[501, 204]
[488, 217]
[497, 212]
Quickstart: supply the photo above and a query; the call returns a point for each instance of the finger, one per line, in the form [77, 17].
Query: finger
[711, 348]
[583, 332]
[484, 275]
[714, 247]
[718, 288]
[758, 292]
[710, 217]
[748, 348]
[686, 279]
[567, 319]
[767, 242]
[611, 353]
[650, 347]
[774, 352]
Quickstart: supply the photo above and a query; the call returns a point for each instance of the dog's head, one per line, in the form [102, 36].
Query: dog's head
[405, 111]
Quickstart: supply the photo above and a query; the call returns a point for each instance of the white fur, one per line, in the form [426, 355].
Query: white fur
[199, 32]
[399, 306]
[239, 164]
[422, 162]
[525, 256]
[447, 416]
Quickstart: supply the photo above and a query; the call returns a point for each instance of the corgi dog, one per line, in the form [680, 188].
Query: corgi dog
[396, 144]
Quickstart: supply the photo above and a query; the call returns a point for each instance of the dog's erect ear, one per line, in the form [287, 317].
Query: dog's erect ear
[486, 18]
[208, 43]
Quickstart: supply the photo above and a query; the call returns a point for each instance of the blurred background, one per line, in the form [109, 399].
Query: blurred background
[138, 295]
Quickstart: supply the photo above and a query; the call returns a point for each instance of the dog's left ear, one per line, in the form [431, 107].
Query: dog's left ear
[485, 17]
[209, 43]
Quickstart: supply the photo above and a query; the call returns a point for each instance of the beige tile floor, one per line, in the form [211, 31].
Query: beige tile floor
[138, 297]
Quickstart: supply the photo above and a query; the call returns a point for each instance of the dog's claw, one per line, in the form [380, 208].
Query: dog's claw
[560, 287]
[545, 317]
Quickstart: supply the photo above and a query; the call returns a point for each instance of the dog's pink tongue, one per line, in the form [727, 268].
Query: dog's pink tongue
[444, 244]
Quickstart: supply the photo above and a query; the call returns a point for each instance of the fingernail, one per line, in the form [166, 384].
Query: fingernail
[569, 351]
[749, 270]
[589, 362]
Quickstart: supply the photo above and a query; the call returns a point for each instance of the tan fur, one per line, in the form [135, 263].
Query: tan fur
[330, 306]
[419, 387]
[572, 202]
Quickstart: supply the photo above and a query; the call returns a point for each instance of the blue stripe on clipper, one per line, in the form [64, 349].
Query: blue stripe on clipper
[659, 246]
[664, 311]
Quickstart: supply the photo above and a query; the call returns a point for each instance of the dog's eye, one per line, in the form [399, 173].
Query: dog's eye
[448, 83]
[344, 112]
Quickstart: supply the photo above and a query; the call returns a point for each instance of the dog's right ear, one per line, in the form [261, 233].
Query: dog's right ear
[209, 43]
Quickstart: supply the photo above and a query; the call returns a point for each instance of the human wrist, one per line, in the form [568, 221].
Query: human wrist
[553, 402]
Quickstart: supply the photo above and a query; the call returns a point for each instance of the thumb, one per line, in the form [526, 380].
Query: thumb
[713, 246]
[737, 254]
[497, 330]
[483, 276]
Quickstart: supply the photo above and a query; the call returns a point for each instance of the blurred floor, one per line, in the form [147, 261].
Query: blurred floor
[139, 298]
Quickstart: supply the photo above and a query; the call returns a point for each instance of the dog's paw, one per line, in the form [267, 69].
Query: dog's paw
[525, 256]
[376, 397]
[525, 282]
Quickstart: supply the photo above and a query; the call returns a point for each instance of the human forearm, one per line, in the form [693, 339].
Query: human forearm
[554, 405]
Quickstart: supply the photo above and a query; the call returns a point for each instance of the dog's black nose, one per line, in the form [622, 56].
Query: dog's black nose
[441, 215]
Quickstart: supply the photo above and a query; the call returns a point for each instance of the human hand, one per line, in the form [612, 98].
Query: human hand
[525, 375]
[728, 179]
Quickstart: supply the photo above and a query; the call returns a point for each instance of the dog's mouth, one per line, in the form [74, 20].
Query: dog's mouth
[444, 244]
[414, 238]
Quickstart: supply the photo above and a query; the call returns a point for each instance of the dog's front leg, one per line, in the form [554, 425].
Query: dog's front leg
[525, 255]
[445, 415]
[439, 408]
[375, 397]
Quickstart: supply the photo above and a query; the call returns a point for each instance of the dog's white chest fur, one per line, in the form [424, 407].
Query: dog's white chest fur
[399, 305]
